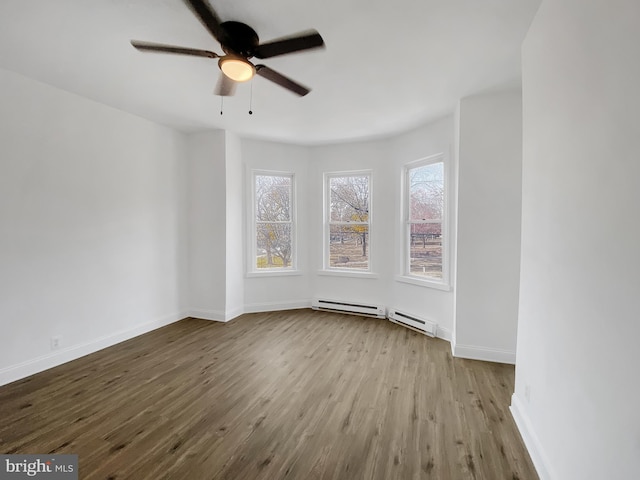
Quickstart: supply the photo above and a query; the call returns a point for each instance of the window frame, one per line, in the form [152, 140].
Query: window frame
[406, 276]
[327, 269]
[252, 257]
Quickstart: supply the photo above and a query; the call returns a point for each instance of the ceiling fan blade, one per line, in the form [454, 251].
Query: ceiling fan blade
[294, 43]
[161, 48]
[281, 80]
[225, 86]
[207, 16]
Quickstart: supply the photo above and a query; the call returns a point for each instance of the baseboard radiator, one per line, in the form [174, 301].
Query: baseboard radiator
[354, 308]
[414, 322]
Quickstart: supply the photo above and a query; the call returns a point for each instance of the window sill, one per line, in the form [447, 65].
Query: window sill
[347, 273]
[423, 283]
[273, 273]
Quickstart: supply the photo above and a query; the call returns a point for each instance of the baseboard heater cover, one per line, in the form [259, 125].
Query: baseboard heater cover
[354, 308]
[414, 322]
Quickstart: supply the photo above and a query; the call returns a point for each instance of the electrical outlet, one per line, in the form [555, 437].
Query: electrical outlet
[527, 393]
[56, 341]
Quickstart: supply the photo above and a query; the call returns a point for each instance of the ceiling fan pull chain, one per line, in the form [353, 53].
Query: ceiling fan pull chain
[251, 98]
[221, 103]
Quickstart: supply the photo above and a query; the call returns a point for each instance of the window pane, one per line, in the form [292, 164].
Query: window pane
[349, 198]
[349, 246]
[273, 198]
[426, 250]
[273, 245]
[426, 192]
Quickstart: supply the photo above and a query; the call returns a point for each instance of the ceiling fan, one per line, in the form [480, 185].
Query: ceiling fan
[240, 42]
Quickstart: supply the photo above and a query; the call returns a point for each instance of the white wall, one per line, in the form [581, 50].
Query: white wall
[207, 225]
[216, 214]
[385, 158]
[375, 157]
[234, 302]
[489, 216]
[425, 141]
[263, 293]
[91, 204]
[577, 390]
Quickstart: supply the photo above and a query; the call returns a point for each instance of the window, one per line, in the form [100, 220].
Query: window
[347, 221]
[424, 206]
[273, 239]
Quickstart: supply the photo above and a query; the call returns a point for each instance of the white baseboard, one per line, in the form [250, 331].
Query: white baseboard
[531, 441]
[216, 315]
[50, 360]
[30, 367]
[482, 353]
[275, 306]
[231, 314]
[211, 315]
[220, 316]
[443, 333]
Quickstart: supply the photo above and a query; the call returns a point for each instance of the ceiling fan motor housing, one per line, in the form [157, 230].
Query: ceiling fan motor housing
[239, 38]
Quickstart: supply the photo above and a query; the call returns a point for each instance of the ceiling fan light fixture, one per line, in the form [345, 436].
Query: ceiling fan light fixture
[237, 68]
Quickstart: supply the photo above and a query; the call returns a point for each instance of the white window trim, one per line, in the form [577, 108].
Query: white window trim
[349, 273]
[252, 270]
[405, 276]
[337, 271]
[423, 282]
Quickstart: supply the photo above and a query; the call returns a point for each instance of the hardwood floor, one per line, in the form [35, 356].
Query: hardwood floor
[282, 395]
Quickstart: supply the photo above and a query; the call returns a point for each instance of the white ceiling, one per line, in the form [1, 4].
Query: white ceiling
[388, 65]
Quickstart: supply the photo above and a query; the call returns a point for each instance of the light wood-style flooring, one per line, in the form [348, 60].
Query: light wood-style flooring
[282, 395]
